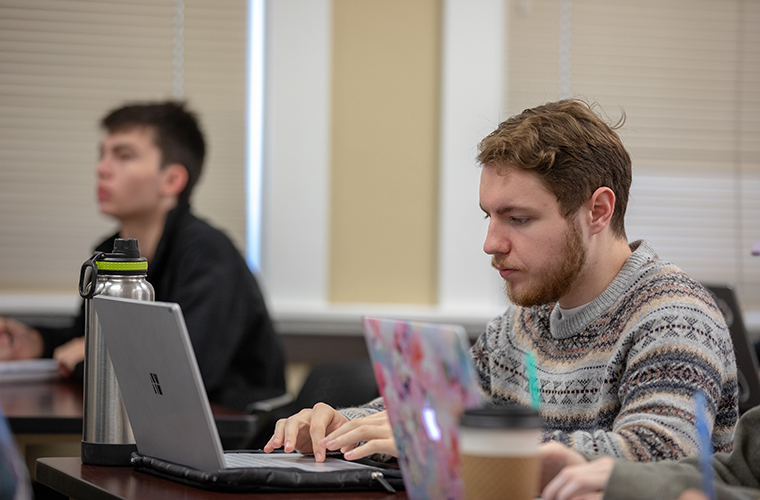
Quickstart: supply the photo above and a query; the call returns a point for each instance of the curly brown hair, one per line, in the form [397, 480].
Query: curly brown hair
[571, 148]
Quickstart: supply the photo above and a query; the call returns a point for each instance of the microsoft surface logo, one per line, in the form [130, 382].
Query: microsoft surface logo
[156, 384]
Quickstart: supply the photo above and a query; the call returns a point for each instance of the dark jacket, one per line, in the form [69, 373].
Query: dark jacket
[736, 474]
[240, 356]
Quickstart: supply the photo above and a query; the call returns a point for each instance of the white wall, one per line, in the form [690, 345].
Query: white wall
[295, 225]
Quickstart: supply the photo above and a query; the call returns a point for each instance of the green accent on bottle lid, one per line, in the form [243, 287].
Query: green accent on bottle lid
[122, 266]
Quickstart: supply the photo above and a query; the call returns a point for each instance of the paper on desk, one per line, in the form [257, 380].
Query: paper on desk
[28, 370]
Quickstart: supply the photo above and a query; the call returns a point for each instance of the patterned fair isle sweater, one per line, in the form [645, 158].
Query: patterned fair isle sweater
[619, 377]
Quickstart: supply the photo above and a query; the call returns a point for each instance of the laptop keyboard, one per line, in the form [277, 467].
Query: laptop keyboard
[288, 460]
[241, 460]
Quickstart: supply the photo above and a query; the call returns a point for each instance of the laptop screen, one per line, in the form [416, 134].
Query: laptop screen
[426, 378]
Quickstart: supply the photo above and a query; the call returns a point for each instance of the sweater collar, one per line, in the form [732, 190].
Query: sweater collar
[560, 328]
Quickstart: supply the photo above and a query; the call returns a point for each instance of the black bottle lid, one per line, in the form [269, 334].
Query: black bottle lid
[127, 247]
[125, 260]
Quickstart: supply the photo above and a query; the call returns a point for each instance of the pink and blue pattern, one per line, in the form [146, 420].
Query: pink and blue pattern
[424, 373]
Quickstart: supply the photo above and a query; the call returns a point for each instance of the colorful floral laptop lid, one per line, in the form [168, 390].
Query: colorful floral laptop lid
[424, 373]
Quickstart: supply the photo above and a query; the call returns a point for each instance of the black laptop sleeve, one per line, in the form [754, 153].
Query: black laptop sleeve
[381, 477]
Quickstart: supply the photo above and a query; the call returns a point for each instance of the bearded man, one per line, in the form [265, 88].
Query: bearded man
[622, 340]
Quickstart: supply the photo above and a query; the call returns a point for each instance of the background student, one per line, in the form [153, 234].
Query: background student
[150, 160]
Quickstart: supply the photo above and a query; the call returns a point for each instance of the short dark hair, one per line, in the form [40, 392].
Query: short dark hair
[572, 149]
[175, 132]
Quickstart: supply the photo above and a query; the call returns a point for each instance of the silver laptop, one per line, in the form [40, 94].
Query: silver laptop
[164, 394]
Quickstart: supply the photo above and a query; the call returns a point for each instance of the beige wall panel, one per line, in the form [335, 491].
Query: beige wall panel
[384, 182]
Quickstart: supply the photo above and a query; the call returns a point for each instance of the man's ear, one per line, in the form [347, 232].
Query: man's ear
[602, 207]
[175, 178]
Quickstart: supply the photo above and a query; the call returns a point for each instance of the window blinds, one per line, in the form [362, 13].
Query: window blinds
[687, 75]
[63, 65]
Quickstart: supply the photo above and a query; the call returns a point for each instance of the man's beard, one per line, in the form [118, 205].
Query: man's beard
[554, 281]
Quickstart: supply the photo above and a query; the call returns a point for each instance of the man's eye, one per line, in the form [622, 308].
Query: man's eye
[519, 220]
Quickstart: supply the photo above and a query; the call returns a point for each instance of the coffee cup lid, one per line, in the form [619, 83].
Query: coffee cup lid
[498, 417]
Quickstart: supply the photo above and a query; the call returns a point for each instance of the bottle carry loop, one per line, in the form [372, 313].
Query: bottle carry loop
[87, 284]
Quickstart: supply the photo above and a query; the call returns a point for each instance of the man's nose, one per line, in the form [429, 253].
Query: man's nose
[103, 168]
[497, 241]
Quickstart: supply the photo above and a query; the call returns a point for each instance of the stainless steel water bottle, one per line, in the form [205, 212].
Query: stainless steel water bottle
[107, 437]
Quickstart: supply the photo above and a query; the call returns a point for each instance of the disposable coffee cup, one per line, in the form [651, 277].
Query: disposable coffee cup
[498, 451]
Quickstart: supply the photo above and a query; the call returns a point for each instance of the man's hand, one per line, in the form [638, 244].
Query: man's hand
[693, 494]
[305, 431]
[69, 355]
[19, 341]
[323, 428]
[586, 481]
[375, 430]
[555, 456]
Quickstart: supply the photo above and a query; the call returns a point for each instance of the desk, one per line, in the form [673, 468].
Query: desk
[56, 406]
[46, 419]
[90, 482]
